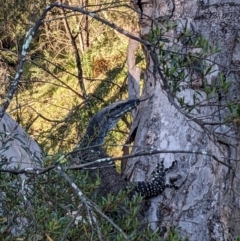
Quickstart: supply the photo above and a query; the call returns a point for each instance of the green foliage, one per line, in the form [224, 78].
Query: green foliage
[50, 207]
[191, 70]
[52, 105]
[173, 236]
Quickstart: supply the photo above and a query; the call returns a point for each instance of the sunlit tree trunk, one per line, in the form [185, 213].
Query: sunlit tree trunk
[207, 204]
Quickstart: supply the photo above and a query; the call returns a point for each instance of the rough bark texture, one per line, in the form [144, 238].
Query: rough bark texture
[134, 74]
[207, 204]
[17, 148]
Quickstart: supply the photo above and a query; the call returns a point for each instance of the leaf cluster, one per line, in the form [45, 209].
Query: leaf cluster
[47, 209]
[194, 79]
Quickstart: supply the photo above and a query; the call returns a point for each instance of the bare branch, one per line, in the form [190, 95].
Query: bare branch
[28, 39]
[38, 171]
[77, 56]
[32, 31]
[150, 152]
[87, 202]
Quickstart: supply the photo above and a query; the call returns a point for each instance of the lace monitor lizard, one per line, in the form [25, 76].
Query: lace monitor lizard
[90, 148]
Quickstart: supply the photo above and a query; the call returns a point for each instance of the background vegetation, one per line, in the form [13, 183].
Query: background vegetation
[75, 67]
[57, 96]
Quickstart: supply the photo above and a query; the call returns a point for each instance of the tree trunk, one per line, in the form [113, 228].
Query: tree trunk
[207, 204]
[17, 148]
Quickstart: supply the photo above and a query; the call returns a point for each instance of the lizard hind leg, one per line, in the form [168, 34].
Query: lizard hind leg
[171, 167]
[159, 175]
[172, 180]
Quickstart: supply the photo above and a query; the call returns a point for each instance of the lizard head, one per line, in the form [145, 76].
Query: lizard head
[102, 122]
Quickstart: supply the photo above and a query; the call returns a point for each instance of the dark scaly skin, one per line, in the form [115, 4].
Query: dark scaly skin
[99, 126]
[157, 184]
[111, 181]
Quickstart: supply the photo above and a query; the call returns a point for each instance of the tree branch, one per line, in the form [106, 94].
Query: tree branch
[31, 33]
[38, 171]
[88, 203]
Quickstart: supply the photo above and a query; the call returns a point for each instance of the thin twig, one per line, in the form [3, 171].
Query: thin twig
[38, 171]
[31, 33]
[87, 202]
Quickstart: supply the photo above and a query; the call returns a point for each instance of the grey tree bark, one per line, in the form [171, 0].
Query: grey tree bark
[17, 150]
[207, 204]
